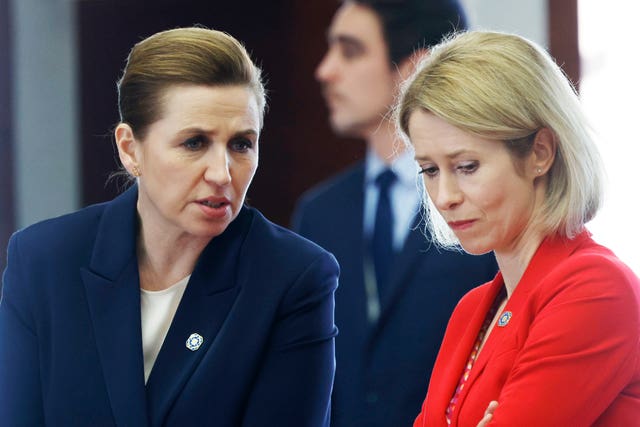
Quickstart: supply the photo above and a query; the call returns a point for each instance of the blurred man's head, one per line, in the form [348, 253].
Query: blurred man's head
[370, 45]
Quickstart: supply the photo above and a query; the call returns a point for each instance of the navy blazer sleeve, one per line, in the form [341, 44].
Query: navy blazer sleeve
[294, 384]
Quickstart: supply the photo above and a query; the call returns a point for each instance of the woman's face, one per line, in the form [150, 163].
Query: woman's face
[474, 184]
[197, 161]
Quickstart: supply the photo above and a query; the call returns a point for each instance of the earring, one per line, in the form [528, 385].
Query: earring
[539, 171]
[136, 171]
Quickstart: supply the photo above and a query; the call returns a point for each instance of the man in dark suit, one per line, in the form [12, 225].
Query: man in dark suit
[397, 289]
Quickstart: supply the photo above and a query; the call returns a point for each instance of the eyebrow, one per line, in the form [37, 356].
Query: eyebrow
[452, 155]
[346, 40]
[193, 130]
[248, 132]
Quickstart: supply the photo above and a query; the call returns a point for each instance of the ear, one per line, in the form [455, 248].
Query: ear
[408, 65]
[127, 148]
[544, 151]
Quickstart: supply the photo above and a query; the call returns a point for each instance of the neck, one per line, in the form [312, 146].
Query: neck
[514, 260]
[164, 260]
[384, 141]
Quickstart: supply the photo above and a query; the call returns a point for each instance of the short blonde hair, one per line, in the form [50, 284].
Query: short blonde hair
[502, 86]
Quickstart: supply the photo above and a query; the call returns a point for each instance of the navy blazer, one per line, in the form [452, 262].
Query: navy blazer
[383, 368]
[70, 333]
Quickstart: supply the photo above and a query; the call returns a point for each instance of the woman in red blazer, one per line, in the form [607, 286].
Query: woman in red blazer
[510, 167]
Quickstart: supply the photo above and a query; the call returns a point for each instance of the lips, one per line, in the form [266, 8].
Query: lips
[331, 96]
[461, 225]
[215, 207]
[214, 204]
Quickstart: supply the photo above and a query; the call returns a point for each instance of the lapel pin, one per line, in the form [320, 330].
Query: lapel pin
[504, 319]
[194, 341]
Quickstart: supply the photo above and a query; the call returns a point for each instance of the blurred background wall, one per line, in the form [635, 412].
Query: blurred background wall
[60, 59]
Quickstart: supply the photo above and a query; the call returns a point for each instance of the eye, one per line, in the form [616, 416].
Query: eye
[428, 170]
[467, 168]
[351, 50]
[241, 145]
[195, 143]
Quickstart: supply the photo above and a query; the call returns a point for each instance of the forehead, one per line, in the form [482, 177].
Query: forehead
[191, 104]
[358, 23]
[431, 137]
[426, 127]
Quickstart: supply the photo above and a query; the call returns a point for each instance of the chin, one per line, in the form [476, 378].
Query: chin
[475, 248]
[342, 127]
[209, 231]
[339, 128]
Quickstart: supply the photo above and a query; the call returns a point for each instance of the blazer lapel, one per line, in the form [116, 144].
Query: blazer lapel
[461, 356]
[361, 279]
[113, 295]
[209, 296]
[551, 250]
[345, 240]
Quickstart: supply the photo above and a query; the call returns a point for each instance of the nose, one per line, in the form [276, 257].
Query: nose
[217, 166]
[447, 194]
[326, 69]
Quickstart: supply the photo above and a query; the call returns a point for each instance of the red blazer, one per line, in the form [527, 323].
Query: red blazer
[569, 356]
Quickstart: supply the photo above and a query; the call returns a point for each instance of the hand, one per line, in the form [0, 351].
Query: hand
[488, 414]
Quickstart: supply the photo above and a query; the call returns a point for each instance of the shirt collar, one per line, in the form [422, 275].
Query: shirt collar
[404, 166]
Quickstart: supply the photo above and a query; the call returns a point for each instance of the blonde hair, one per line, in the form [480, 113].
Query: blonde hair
[502, 86]
[194, 55]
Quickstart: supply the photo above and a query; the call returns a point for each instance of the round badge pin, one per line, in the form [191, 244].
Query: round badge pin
[504, 318]
[194, 341]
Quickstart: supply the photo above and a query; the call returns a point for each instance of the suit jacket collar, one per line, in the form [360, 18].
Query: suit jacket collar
[404, 263]
[115, 243]
[113, 294]
[552, 250]
[350, 243]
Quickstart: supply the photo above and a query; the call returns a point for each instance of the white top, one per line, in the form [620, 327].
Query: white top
[157, 309]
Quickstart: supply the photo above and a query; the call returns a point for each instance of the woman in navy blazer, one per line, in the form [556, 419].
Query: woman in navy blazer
[173, 304]
[511, 167]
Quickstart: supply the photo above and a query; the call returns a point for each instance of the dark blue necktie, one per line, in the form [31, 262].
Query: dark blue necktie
[382, 240]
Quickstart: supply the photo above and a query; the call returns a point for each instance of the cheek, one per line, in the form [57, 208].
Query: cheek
[374, 85]
[244, 171]
[250, 174]
[430, 187]
[162, 162]
[506, 204]
[490, 194]
[177, 178]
